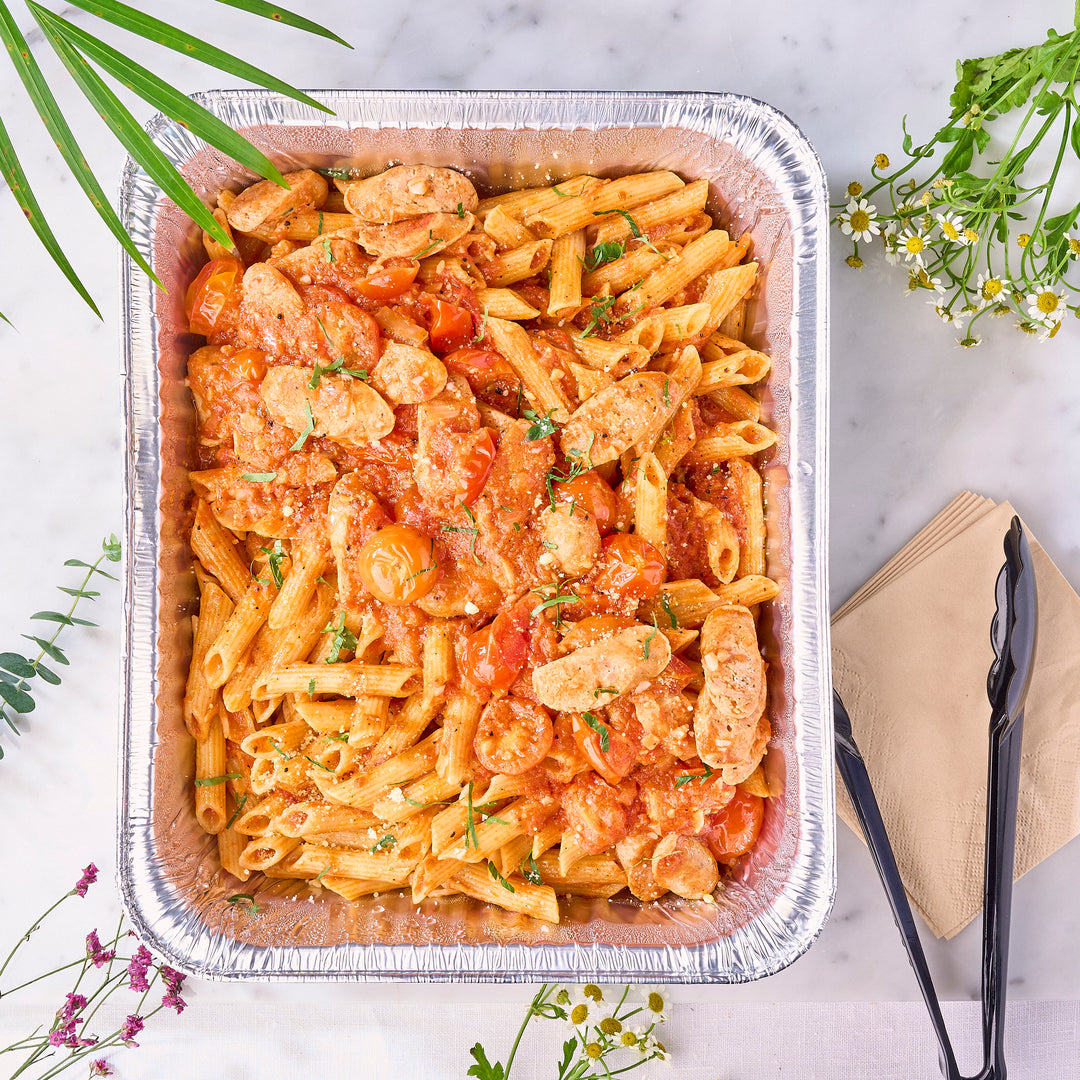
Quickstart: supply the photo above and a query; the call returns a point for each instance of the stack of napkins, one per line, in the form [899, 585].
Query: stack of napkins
[911, 651]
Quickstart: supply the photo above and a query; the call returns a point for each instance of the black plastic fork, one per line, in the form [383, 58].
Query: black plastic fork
[1013, 634]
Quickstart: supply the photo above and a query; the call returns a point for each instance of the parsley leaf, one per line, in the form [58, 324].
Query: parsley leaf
[606, 252]
[542, 426]
[494, 872]
[326, 244]
[259, 477]
[435, 242]
[666, 605]
[237, 812]
[343, 638]
[275, 557]
[246, 900]
[530, 871]
[649, 639]
[484, 1069]
[686, 778]
[213, 781]
[385, 843]
[600, 728]
[308, 429]
[459, 210]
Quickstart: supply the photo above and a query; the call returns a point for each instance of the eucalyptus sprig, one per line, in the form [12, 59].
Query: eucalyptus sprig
[17, 671]
[608, 1036]
[83, 55]
[971, 229]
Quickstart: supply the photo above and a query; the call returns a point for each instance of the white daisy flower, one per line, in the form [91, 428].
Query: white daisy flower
[1046, 306]
[952, 228]
[911, 245]
[650, 1044]
[990, 290]
[946, 316]
[1074, 248]
[970, 342]
[859, 220]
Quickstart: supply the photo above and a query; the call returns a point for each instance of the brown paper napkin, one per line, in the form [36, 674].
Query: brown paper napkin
[911, 651]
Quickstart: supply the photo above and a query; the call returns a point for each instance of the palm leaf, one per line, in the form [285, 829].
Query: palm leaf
[57, 127]
[126, 128]
[162, 96]
[279, 14]
[20, 188]
[171, 37]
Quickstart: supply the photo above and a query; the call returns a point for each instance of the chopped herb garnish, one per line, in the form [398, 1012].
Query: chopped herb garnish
[213, 781]
[343, 638]
[259, 477]
[470, 822]
[666, 605]
[686, 778]
[325, 870]
[600, 312]
[332, 369]
[542, 426]
[274, 744]
[600, 728]
[237, 812]
[638, 234]
[715, 469]
[326, 243]
[570, 194]
[648, 640]
[481, 334]
[604, 690]
[549, 545]
[244, 899]
[667, 400]
[319, 764]
[384, 844]
[339, 736]
[337, 174]
[530, 871]
[556, 602]
[459, 210]
[311, 688]
[499, 878]
[579, 463]
[308, 429]
[431, 247]
[608, 251]
[275, 558]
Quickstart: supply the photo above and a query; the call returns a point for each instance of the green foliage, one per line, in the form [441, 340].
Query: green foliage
[972, 229]
[78, 50]
[17, 671]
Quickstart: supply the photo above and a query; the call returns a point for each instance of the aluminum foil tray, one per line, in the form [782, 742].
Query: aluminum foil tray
[765, 178]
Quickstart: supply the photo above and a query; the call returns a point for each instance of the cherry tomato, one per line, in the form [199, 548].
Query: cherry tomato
[248, 364]
[397, 565]
[388, 283]
[450, 327]
[394, 450]
[734, 830]
[216, 288]
[615, 762]
[513, 736]
[476, 460]
[591, 492]
[482, 367]
[629, 566]
[495, 654]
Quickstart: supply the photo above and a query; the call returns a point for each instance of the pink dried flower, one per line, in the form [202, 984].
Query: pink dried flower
[137, 969]
[131, 1027]
[64, 1033]
[89, 876]
[172, 1000]
[100, 1068]
[95, 952]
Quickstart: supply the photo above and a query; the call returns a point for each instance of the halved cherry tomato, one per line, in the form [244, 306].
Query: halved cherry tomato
[629, 566]
[476, 460]
[388, 283]
[450, 327]
[216, 287]
[495, 654]
[591, 492]
[248, 364]
[615, 762]
[397, 565]
[734, 830]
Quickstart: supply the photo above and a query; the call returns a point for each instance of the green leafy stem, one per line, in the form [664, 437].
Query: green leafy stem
[17, 671]
[83, 55]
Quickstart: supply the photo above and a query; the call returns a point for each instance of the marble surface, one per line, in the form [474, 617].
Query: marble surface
[914, 418]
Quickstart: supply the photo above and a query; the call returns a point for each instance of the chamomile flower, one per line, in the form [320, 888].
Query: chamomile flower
[990, 290]
[859, 220]
[970, 342]
[946, 315]
[881, 161]
[952, 228]
[1074, 248]
[650, 1044]
[911, 244]
[854, 189]
[654, 1006]
[1046, 306]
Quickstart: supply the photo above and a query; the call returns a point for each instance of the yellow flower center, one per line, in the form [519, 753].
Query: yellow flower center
[950, 230]
[854, 262]
[579, 1014]
[882, 161]
[610, 1026]
[591, 990]
[914, 244]
[992, 289]
[1024, 239]
[1074, 247]
[1048, 302]
[970, 235]
[860, 220]
[628, 1039]
[854, 189]
[655, 1002]
[593, 1050]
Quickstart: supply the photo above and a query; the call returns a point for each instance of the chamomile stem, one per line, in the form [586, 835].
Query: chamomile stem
[536, 1002]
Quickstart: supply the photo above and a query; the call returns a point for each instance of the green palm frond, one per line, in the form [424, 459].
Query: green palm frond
[78, 50]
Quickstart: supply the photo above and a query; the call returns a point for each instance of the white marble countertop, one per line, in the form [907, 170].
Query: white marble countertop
[914, 418]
